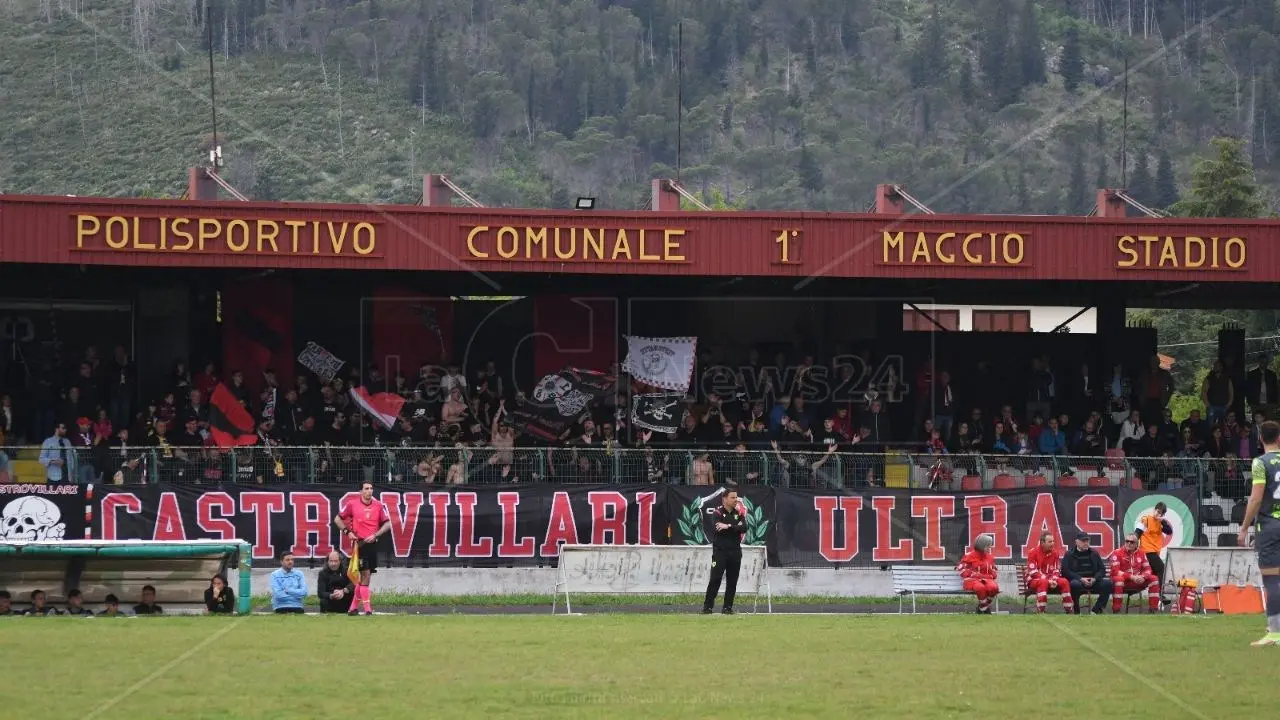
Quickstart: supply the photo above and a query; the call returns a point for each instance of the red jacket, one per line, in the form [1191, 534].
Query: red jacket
[1124, 562]
[1043, 565]
[977, 566]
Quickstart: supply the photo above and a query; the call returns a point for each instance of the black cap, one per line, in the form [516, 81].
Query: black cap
[1082, 536]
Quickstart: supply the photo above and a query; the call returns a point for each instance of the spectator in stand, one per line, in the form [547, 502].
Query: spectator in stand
[1131, 573]
[1083, 399]
[1169, 434]
[148, 605]
[57, 456]
[1033, 431]
[943, 403]
[925, 433]
[74, 406]
[876, 421]
[6, 603]
[218, 598]
[82, 441]
[1150, 445]
[111, 607]
[1044, 575]
[1217, 393]
[288, 587]
[842, 423]
[1262, 388]
[9, 422]
[1040, 389]
[1053, 441]
[180, 381]
[1089, 442]
[333, 587]
[1011, 424]
[1198, 428]
[38, 607]
[1131, 432]
[978, 569]
[75, 604]
[1086, 573]
[1156, 387]
[1002, 441]
[936, 446]
[102, 429]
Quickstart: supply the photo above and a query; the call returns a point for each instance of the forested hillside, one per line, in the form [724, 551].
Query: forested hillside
[976, 105]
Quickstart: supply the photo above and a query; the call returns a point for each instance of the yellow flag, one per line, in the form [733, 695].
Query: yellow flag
[353, 566]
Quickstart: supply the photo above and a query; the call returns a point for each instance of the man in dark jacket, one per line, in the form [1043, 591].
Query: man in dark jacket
[1083, 567]
[333, 586]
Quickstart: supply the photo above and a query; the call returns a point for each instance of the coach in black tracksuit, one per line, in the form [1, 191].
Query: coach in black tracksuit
[726, 557]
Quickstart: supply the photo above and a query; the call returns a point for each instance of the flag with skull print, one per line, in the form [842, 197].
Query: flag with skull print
[54, 512]
[559, 400]
[660, 412]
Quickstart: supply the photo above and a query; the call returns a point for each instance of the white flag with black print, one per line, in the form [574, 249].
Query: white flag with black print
[665, 363]
[659, 412]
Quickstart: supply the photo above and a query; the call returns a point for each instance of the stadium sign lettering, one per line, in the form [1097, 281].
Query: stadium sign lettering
[1155, 252]
[575, 244]
[219, 235]
[951, 248]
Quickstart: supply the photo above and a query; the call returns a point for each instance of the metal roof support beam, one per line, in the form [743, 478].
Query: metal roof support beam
[1068, 321]
[1111, 205]
[928, 317]
[664, 197]
[439, 191]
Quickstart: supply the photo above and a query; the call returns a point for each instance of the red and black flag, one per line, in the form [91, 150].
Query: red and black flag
[230, 423]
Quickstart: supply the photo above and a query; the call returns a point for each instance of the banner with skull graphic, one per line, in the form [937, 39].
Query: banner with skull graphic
[42, 512]
[660, 412]
[665, 363]
[559, 400]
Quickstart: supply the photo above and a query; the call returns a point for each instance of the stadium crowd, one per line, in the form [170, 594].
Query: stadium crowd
[770, 422]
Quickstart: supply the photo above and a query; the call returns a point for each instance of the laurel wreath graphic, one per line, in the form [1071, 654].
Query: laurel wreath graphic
[690, 522]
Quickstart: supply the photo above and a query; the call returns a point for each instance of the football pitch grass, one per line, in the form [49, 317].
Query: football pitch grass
[638, 666]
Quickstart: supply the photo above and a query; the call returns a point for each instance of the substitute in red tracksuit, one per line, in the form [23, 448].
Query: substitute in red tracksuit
[978, 568]
[1044, 574]
[1131, 572]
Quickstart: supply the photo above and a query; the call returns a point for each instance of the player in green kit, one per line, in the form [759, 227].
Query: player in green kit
[1264, 505]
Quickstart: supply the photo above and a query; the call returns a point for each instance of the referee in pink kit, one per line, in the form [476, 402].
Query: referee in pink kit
[365, 520]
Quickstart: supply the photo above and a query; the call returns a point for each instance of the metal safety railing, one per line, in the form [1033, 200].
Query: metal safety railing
[458, 464]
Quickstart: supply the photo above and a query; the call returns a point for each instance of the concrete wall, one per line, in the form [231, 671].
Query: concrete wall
[849, 582]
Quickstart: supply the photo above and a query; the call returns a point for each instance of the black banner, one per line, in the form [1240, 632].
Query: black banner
[43, 512]
[503, 525]
[559, 400]
[660, 412]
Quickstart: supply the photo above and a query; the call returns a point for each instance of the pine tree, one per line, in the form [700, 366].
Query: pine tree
[993, 53]
[929, 58]
[1166, 187]
[1141, 187]
[965, 85]
[1103, 178]
[1072, 66]
[1077, 193]
[1222, 186]
[1031, 52]
[809, 170]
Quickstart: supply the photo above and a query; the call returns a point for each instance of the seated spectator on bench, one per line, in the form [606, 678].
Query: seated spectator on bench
[38, 607]
[978, 568]
[1130, 573]
[288, 587]
[148, 605]
[6, 603]
[111, 607]
[1044, 574]
[333, 586]
[1086, 573]
[75, 604]
[218, 598]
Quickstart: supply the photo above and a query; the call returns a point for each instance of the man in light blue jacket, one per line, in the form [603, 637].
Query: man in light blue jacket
[288, 587]
[58, 457]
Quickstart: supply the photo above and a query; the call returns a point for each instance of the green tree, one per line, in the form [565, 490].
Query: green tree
[809, 170]
[1222, 185]
[1072, 65]
[965, 84]
[993, 54]
[1077, 193]
[1166, 186]
[929, 57]
[1030, 49]
[1141, 186]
